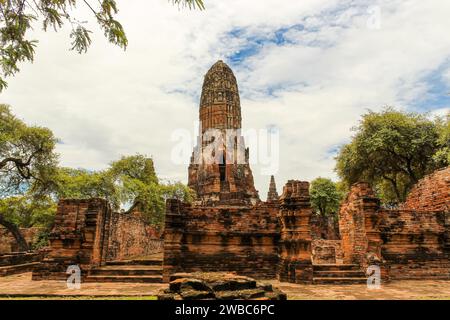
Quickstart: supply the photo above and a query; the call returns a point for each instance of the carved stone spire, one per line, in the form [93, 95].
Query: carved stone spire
[220, 107]
[219, 171]
[272, 195]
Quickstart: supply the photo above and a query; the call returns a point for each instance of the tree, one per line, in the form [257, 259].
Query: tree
[128, 182]
[17, 17]
[27, 166]
[325, 196]
[442, 156]
[391, 150]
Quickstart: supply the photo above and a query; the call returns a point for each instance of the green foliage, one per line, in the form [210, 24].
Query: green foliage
[42, 240]
[391, 150]
[191, 4]
[325, 196]
[26, 211]
[442, 156]
[17, 16]
[83, 184]
[130, 181]
[27, 157]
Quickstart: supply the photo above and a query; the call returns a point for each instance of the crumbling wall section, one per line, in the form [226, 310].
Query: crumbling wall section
[357, 240]
[132, 236]
[408, 243]
[327, 251]
[79, 237]
[324, 227]
[243, 239]
[414, 243]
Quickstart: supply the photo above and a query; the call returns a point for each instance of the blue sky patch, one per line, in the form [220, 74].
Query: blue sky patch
[438, 93]
[255, 42]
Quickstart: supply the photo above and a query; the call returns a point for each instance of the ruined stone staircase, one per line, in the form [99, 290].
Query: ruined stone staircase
[19, 262]
[338, 274]
[135, 270]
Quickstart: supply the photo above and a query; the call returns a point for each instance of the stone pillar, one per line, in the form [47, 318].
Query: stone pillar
[295, 245]
[173, 236]
[359, 226]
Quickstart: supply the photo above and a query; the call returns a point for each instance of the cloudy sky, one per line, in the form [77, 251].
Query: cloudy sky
[309, 68]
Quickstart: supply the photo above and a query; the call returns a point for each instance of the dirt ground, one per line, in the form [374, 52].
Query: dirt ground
[21, 286]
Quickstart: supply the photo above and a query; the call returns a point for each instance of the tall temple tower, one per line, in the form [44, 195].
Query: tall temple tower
[219, 171]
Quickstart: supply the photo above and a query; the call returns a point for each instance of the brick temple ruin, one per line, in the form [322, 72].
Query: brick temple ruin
[228, 227]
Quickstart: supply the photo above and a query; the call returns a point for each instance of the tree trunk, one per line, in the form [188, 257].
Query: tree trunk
[15, 231]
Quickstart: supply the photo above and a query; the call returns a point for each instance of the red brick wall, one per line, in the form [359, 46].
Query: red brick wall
[431, 193]
[8, 242]
[414, 244]
[131, 236]
[327, 251]
[324, 227]
[407, 244]
[242, 239]
[79, 237]
[352, 223]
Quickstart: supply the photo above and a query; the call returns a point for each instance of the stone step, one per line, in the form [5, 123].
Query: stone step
[130, 278]
[335, 267]
[339, 274]
[339, 280]
[146, 262]
[124, 270]
[18, 268]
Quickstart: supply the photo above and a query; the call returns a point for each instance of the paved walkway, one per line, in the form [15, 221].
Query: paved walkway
[402, 289]
[22, 285]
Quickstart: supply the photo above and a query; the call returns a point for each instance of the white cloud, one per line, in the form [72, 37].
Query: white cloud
[109, 102]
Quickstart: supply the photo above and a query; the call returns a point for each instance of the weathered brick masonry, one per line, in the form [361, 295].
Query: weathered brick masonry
[131, 236]
[295, 246]
[79, 237]
[431, 193]
[241, 239]
[87, 233]
[408, 243]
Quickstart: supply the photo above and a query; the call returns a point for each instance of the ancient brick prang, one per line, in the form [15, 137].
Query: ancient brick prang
[272, 194]
[295, 244]
[219, 171]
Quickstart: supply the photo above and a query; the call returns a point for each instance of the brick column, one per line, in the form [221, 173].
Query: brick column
[295, 245]
[173, 236]
[359, 226]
